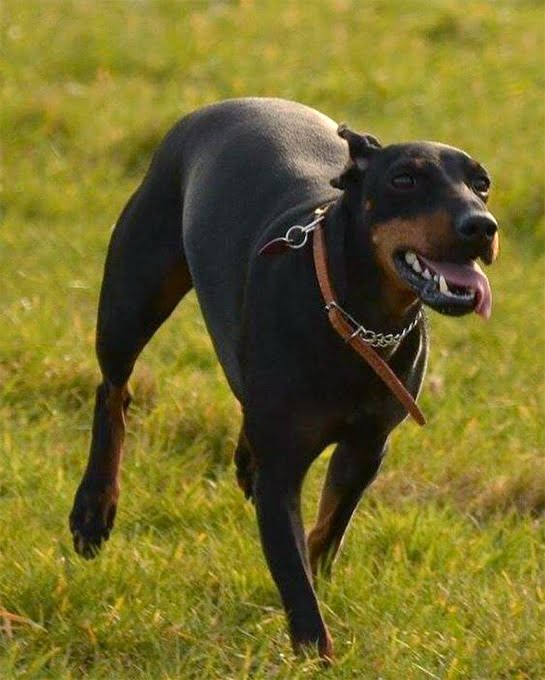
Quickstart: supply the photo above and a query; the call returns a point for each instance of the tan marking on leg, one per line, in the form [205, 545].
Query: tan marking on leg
[173, 288]
[117, 403]
[319, 536]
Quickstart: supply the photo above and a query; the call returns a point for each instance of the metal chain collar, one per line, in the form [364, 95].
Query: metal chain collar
[371, 337]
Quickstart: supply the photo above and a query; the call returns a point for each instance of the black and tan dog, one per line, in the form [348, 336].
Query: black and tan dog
[405, 226]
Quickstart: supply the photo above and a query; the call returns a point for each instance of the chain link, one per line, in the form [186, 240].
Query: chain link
[372, 337]
[385, 339]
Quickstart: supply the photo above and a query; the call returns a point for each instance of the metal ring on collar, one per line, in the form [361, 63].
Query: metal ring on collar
[296, 236]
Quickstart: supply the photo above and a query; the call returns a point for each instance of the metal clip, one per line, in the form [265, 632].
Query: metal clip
[296, 237]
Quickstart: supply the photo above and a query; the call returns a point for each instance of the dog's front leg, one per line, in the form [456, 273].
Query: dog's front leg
[282, 536]
[352, 467]
[279, 472]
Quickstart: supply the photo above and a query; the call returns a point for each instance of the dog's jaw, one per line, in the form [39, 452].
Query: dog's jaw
[450, 288]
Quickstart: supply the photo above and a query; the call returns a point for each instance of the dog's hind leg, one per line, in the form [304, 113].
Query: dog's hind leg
[145, 277]
[353, 466]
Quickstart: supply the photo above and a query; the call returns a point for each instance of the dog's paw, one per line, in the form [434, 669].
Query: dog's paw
[92, 518]
[308, 644]
[245, 481]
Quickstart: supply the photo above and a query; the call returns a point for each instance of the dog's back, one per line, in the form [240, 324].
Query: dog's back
[245, 167]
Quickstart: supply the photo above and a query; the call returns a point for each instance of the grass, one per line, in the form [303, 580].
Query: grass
[442, 574]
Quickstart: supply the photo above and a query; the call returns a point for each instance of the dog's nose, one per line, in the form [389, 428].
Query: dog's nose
[477, 227]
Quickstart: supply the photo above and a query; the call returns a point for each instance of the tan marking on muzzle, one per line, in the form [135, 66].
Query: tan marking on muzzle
[431, 236]
[492, 253]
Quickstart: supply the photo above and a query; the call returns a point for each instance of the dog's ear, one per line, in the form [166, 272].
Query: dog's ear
[360, 149]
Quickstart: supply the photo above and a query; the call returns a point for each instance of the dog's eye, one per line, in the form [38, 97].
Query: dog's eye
[481, 185]
[404, 181]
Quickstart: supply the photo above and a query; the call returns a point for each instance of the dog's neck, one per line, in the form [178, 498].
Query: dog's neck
[360, 283]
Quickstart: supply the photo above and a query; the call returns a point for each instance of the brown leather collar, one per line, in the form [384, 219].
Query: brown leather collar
[347, 332]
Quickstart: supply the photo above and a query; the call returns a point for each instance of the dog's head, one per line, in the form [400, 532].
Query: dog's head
[423, 208]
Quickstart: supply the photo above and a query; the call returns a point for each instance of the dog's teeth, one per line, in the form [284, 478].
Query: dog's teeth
[417, 267]
[443, 285]
[436, 278]
[426, 274]
[410, 257]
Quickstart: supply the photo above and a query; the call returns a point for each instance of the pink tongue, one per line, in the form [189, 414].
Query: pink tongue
[466, 276]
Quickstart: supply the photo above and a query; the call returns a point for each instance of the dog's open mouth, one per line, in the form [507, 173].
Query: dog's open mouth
[448, 287]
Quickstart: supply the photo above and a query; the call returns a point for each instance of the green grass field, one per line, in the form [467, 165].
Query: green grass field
[442, 573]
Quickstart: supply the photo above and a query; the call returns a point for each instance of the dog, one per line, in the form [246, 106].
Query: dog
[400, 226]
